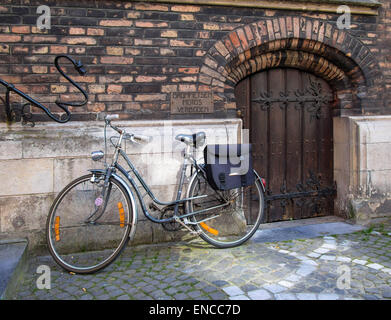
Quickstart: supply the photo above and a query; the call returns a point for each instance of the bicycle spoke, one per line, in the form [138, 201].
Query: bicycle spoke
[229, 225]
[70, 233]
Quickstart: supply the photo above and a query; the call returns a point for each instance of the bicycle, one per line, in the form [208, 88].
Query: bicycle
[93, 217]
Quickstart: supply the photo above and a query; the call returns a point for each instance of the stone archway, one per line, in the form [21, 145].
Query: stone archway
[308, 44]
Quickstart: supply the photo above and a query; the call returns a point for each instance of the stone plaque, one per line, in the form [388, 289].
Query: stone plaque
[191, 102]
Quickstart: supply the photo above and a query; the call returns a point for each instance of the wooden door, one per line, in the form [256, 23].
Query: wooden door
[289, 115]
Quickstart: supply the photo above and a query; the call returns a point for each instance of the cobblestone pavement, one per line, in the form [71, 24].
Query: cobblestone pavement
[350, 266]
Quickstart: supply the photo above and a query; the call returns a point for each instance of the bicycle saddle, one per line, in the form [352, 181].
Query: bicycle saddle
[195, 140]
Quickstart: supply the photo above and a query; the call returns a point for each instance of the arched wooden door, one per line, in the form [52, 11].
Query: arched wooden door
[289, 115]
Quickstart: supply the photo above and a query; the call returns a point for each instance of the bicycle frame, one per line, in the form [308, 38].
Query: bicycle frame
[188, 159]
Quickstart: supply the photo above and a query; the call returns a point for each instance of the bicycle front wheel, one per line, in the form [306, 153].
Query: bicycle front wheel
[85, 232]
[225, 218]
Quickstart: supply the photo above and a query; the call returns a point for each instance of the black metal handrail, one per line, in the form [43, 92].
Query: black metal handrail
[62, 105]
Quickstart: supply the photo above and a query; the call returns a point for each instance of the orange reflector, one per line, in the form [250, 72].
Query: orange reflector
[121, 214]
[57, 228]
[209, 229]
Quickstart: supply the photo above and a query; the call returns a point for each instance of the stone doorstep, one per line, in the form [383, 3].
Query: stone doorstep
[302, 229]
[13, 264]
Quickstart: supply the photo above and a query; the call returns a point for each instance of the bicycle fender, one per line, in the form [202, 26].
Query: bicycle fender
[131, 196]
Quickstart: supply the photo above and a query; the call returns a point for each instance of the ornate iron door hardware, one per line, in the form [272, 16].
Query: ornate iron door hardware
[312, 95]
[310, 194]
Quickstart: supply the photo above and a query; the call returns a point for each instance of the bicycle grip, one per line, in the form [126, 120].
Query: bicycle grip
[110, 117]
[141, 139]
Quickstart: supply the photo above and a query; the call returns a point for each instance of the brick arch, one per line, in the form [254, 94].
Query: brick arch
[305, 43]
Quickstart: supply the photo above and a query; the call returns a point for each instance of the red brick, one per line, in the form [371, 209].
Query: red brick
[276, 26]
[20, 29]
[88, 79]
[116, 23]
[4, 48]
[234, 39]
[39, 39]
[95, 32]
[114, 97]
[79, 40]
[77, 31]
[211, 63]
[200, 53]
[180, 8]
[150, 97]
[203, 35]
[96, 107]
[270, 30]
[40, 50]
[114, 88]
[115, 51]
[10, 38]
[170, 88]
[187, 17]
[282, 27]
[193, 70]
[116, 60]
[55, 88]
[249, 33]
[115, 79]
[151, 7]
[242, 38]
[229, 45]
[184, 79]
[39, 69]
[187, 87]
[133, 14]
[211, 26]
[96, 88]
[150, 78]
[58, 49]
[182, 43]
[296, 27]
[289, 26]
[220, 47]
[148, 24]
[20, 49]
[308, 30]
[169, 34]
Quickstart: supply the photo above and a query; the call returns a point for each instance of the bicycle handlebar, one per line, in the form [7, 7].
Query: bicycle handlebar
[62, 105]
[136, 138]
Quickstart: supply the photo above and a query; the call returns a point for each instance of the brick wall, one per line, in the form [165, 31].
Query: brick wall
[137, 53]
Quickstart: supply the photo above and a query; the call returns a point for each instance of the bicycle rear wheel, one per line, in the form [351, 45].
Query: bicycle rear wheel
[85, 232]
[236, 215]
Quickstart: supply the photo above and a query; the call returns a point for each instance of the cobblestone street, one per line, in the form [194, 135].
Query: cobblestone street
[349, 266]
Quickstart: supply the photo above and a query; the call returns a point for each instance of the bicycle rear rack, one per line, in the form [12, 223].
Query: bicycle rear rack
[18, 112]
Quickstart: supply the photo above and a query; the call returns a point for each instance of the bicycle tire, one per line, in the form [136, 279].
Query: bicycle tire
[49, 229]
[207, 235]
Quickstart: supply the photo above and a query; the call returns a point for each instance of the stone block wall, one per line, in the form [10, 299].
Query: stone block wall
[362, 153]
[36, 163]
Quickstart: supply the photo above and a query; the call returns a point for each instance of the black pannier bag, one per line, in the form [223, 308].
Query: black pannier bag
[229, 166]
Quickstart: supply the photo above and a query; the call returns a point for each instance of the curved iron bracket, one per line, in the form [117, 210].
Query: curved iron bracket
[17, 112]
